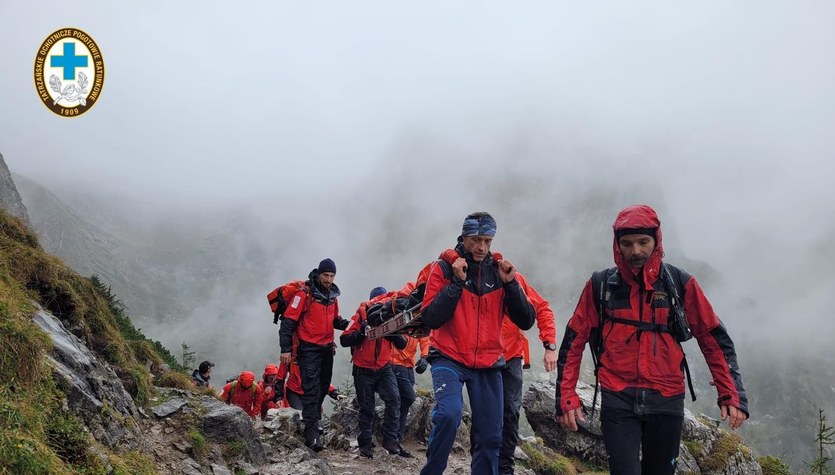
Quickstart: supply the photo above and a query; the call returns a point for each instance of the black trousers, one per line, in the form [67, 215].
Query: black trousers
[294, 399]
[641, 431]
[316, 366]
[381, 381]
[406, 386]
[512, 384]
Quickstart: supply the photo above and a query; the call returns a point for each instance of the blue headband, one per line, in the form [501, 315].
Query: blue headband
[481, 226]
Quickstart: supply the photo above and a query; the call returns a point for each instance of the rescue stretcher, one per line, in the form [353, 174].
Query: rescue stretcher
[406, 322]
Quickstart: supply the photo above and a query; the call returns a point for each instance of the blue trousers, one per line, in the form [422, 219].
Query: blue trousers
[486, 401]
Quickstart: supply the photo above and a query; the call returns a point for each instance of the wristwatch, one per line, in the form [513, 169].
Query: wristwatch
[549, 346]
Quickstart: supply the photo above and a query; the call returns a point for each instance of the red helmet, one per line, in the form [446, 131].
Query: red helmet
[270, 370]
[246, 378]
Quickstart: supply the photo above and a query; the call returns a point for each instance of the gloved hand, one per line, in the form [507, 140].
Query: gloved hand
[421, 365]
[334, 394]
[279, 390]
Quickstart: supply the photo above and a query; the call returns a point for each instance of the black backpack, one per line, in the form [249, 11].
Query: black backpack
[602, 283]
[382, 312]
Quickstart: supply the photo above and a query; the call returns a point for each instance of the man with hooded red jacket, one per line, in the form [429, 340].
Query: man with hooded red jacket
[244, 393]
[465, 304]
[640, 368]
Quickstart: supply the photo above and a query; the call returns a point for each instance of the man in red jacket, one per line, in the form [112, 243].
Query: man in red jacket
[465, 304]
[312, 315]
[244, 393]
[515, 350]
[641, 363]
[372, 373]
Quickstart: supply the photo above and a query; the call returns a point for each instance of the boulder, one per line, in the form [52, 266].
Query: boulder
[228, 423]
[705, 449]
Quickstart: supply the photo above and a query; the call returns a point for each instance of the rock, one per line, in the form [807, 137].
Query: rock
[228, 423]
[345, 421]
[715, 447]
[169, 407]
[247, 469]
[310, 467]
[189, 470]
[298, 456]
[10, 198]
[519, 454]
[220, 470]
[169, 430]
[182, 446]
[286, 420]
[89, 383]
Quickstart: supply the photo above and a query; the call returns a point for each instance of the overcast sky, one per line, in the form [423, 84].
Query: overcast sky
[722, 114]
[212, 100]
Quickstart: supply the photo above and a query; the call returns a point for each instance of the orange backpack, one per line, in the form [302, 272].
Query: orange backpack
[279, 297]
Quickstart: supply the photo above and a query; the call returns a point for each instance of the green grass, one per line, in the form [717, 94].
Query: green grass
[198, 442]
[773, 466]
[547, 462]
[36, 435]
[234, 449]
[133, 462]
[174, 379]
[725, 447]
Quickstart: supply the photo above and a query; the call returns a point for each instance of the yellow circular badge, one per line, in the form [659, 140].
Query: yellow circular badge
[69, 72]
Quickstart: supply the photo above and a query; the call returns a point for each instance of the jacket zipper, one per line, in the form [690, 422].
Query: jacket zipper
[640, 318]
[478, 316]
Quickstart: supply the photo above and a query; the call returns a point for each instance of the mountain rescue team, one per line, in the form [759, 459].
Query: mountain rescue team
[477, 307]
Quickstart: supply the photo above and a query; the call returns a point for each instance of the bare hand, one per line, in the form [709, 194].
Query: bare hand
[286, 357]
[569, 419]
[459, 268]
[550, 360]
[737, 417]
[507, 271]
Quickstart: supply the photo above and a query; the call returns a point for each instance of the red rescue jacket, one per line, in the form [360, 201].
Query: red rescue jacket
[368, 353]
[248, 399]
[652, 360]
[515, 341]
[315, 313]
[466, 316]
[406, 356]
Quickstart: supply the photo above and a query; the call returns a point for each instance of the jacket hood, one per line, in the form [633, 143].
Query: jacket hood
[317, 290]
[639, 216]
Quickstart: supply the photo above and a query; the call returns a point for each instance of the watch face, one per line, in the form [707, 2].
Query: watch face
[552, 346]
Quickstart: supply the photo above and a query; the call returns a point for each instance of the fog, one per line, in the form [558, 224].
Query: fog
[270, 136]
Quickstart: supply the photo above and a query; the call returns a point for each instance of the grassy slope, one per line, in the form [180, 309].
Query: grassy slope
[36, 434]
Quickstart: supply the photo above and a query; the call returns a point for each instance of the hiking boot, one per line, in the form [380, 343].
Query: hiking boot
[391, 446]
[315, 445]
[367, 451]
[403, 452]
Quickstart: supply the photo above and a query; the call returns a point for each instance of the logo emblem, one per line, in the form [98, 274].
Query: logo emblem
[69, 72]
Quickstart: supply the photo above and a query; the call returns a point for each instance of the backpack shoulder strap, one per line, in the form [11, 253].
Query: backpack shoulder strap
[231, 392]
[674, 279]
[601, 293]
